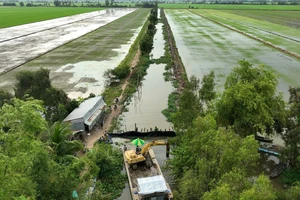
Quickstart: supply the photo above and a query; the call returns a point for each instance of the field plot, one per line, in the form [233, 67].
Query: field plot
[205, 46]
[228, 6]
[286, 18]
[77, 67]
[13, 16]
[283, 36]
[28, 45]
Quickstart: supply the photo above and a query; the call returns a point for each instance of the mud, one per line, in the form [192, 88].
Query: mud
[205, 46]
[23, 43]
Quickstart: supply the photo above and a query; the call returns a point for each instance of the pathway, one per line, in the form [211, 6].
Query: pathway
[96, 134]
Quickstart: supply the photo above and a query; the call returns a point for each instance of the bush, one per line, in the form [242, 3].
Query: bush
[21, 4]
[9, 4]
[121, 72]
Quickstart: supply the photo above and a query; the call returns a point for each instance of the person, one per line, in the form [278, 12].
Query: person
[117, 100]
[115, 107]
[138, 150]
[125, 147]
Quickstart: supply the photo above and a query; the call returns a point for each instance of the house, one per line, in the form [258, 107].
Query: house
[87, 114]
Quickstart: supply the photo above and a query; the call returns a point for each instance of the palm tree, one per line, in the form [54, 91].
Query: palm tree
[59, 133]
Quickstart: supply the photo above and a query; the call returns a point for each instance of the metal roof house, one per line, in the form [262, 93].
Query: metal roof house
[87, 114]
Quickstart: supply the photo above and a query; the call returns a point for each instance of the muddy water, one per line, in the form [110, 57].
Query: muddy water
[28, 45]
[147, 104]
[152, 97]
[205, 46]
[160, 154]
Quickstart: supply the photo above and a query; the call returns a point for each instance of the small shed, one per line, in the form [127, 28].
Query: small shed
[87, 114]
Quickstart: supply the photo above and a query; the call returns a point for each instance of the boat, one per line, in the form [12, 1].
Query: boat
[260, 149]
[143, 134]
[145, 178]
[279, 168]
[263, 139]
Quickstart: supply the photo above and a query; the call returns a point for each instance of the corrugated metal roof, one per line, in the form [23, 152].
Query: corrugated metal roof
[86, 109]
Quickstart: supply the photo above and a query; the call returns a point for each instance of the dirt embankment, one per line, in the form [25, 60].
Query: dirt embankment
[177, 65]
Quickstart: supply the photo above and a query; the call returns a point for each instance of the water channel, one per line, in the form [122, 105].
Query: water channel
[146, 105]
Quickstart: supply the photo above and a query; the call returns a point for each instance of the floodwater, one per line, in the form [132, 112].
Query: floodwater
[146, 105]
[21, 44]
[205, 46]
[160, 154]
[78, 67]
[152, 97]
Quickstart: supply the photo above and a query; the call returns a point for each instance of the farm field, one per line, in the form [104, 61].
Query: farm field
[13, 16]
[286, 18]
[78, 67]
[228, 6]
[283, 36]
[19, 44]
[205, 46]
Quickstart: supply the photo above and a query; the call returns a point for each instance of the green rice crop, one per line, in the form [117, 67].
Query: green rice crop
[13, 16]
[229, 6]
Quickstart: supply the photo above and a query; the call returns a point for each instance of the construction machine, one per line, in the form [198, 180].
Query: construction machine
[133, 157]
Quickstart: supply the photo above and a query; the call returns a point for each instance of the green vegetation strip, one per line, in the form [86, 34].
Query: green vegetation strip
[286, 18]
[228, 6]
[239, 29]
[13, 16]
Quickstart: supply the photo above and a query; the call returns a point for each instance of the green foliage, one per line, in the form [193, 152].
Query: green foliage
[59, 133]
[207, 93]
[4, 97]
[172, 108]
[37, 84]
[110, 180]
[250, 102]
[261, 190]
[205, 152]
[122, 71]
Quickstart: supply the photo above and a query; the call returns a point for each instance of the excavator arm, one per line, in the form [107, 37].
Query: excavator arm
[146, 148]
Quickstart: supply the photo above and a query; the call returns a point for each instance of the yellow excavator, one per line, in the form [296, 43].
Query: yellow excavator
[133, 157]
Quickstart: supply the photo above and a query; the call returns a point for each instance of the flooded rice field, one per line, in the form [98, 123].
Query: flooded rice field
[205, 46]
[23, 43]
[77, 67]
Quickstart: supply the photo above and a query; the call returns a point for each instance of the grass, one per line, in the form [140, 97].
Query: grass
[13, 16]
[286, 18]
[198, 41]
[251, 26]
[229, 6]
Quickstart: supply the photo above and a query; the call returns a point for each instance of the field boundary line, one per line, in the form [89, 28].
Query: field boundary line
[13, 38]
[249, 35]
[23, 63]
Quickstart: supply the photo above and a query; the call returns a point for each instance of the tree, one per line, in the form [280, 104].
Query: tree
[207, 91]
[205, 152]
[107, 2]
[37, 84]
[250, 102]
[4, 97]
[21, 4]
[59, 133]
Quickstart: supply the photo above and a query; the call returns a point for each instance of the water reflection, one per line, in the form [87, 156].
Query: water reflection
[147, 104]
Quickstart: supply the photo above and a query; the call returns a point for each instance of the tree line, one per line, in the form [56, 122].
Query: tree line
[215, 152]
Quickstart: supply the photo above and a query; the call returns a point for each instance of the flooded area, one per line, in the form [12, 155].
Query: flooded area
[78, 66]
[144, 110]
[146, 104]
[205, 46]
[151, 98]
[23, 43]
[160, 154]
